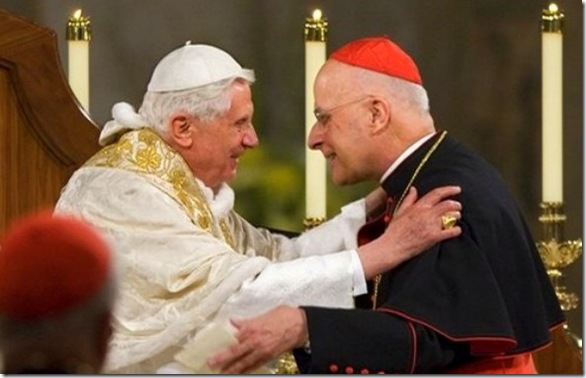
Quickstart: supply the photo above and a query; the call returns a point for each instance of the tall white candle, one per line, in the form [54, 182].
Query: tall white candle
[552, 105]
[315, 164]
[78, 37]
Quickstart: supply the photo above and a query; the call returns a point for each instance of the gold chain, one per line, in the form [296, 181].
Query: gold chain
[378, 278]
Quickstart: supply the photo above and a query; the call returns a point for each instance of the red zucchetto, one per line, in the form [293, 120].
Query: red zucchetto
[50, 264]
[379, 54]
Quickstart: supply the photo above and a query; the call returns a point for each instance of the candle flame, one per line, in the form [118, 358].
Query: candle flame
[77, 14]
[317, 15]
[553, 8]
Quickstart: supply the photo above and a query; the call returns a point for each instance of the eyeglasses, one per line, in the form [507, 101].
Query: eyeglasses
[323, 116]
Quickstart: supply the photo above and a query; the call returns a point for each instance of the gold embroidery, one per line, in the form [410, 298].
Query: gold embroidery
[227, 233]
[378, 278]
[148, 159]
[144, 152]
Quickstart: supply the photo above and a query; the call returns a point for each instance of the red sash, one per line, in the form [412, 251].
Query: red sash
[519, 364]
[376, 225]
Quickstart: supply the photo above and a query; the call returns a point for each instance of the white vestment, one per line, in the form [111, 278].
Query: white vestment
[186, 258]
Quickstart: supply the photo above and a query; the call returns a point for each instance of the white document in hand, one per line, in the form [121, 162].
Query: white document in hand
[210, 340]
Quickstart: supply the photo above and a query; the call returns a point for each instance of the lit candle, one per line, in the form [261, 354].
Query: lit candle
[78, 37]
[551, 57]
[315, 164]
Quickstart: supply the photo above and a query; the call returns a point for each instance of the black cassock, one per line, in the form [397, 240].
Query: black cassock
[483, 294]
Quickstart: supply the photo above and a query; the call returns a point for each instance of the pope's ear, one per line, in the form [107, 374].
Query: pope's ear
[180, 130]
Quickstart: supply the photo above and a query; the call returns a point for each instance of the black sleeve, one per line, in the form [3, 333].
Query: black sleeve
[370, 342]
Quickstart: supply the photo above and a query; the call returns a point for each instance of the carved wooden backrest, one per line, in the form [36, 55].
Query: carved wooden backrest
[44, 132]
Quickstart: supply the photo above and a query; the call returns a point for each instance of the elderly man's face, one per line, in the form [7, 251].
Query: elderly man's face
[341, 129]
[218, 145]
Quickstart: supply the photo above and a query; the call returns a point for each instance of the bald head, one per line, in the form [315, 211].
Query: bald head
[406, 101]
[370, 107]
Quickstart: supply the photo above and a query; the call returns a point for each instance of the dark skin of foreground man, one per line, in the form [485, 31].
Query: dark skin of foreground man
[480, 303]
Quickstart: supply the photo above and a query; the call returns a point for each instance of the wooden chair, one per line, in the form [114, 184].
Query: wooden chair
[44, 132]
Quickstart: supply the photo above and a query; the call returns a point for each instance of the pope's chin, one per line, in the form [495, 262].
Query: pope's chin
[232, 175]
[233, 169]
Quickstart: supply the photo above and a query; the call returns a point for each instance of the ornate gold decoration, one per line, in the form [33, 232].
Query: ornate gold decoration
[78, 27]
[310, 222]
[552, 19]
[557, 253]
[316, 27]
[145, 153]
[448, 221]
[286, 364]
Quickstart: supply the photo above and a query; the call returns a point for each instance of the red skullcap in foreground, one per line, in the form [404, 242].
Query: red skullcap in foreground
[50, 264]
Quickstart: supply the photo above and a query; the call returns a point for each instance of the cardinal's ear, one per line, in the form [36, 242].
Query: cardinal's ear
[380, 114]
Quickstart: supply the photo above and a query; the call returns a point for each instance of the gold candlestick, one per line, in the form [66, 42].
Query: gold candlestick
[552, 19]
[78, 34]
[286, 364]
[315, 32]
[556, 252]
[78, 27]
[311, 222]
[316, 27]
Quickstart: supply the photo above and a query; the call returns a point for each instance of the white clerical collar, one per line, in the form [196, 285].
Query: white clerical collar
[404, 155]
[221, 203]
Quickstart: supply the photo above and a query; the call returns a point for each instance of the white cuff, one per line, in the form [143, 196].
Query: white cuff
[359, 282]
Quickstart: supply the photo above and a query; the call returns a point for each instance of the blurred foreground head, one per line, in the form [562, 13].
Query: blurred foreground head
[56, 295]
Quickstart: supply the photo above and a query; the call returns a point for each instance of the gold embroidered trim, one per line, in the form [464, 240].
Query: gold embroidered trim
[145, 153]
[378, 278]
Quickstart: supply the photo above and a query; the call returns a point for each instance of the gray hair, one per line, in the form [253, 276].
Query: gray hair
[412, 96]
[205, 103]
[402, 93]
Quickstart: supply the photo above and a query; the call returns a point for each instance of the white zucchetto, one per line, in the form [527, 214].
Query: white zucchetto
[192, 66]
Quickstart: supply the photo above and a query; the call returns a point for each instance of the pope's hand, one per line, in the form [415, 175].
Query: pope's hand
[262, 339]
[415, 227]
